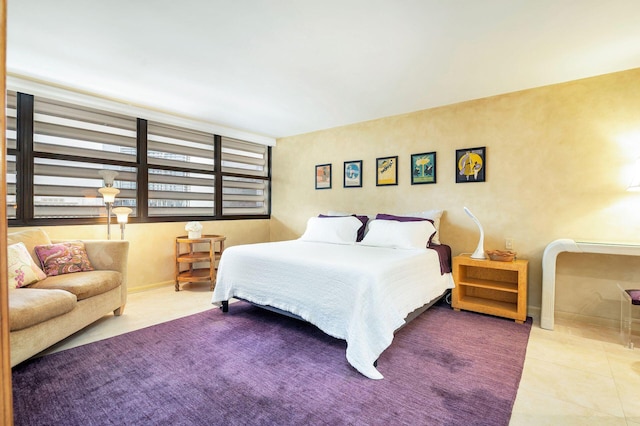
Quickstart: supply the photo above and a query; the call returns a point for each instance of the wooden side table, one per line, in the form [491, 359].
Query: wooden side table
[190, 251]
[491, 287]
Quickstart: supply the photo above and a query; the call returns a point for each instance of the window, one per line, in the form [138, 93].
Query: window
[55, 151]
[243, 195]
[11, 113]
[185, 185]
[70, 145]
[69, 189]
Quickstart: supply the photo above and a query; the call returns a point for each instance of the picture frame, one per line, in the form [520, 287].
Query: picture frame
[387, 171]
[471, 165]
[352, 174]
[423, 168]
[323, 176]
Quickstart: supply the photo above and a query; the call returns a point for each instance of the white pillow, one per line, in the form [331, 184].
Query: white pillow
[22, 269]
[405, 235]
[435, 216]
[337, 230]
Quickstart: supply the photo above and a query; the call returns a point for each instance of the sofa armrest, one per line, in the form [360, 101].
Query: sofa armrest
[108, 255]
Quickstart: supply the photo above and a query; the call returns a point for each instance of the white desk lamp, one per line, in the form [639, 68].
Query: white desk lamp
[479, 253]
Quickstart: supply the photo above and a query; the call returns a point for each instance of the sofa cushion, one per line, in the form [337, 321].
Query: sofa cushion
[82, 284]
[63, 258]
[22, 269]
[31, 238]
[28, 306]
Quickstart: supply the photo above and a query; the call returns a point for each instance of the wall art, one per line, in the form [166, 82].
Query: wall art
[323, 176]
[353, 174]
[423, 168]
[471, 165]
[387, 171]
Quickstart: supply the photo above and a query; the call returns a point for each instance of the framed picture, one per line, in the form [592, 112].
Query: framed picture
[323, 176]
[353, 174]
[387, 171]
[423, 168]
[471, 165]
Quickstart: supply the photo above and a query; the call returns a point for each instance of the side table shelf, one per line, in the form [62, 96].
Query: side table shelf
[191, 251]
[491, 287]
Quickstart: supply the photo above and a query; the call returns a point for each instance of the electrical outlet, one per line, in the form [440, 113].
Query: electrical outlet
[508, 243]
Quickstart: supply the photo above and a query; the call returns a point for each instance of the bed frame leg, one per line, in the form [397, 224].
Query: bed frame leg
[375, 363]
[225, 306]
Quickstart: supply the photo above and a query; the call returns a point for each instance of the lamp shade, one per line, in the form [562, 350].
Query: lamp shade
[109, 193]
[122, 213]
[108, 176]
[635, 181]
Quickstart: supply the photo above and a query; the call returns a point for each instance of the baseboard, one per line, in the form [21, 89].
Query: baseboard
[533, 312]
[150, 286]
[586, 319]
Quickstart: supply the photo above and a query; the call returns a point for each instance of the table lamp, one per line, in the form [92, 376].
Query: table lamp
[479, 253]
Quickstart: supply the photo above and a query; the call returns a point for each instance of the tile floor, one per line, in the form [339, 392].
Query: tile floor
[144, 309]
[578, 375]
[574, 375]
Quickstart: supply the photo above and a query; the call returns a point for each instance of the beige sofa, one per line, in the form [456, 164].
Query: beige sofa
[47, 311]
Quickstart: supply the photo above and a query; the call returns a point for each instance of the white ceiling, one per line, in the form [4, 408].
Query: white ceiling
[285, 67]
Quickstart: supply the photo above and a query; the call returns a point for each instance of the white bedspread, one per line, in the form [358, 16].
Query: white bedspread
[357, 293]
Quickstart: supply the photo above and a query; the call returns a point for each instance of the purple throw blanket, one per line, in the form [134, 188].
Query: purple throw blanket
[444, 254]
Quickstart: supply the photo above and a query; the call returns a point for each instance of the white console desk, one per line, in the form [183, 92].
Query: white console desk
[552, 251]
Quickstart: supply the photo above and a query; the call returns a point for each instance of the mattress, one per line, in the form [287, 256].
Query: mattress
[358, 293]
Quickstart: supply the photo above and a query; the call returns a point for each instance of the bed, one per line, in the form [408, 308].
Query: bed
[361, 292]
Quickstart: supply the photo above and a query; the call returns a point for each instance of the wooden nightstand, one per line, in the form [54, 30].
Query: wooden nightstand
[196, 253]
[491, 287]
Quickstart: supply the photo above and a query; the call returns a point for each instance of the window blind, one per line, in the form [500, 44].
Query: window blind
[11, 114]
[248, 194]
[12, 203]
[244, 196]
[244, 157]
[10, 135]
[68, 189]
[178, 147]
[65, 129]
[179, 193]
[71, 145]
[185, 186]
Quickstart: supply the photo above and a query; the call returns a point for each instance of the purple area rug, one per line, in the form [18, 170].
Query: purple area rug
[254, 367]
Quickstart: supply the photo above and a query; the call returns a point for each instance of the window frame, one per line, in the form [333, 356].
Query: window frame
[25, 156]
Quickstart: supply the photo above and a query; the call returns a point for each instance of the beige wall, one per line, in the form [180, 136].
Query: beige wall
[152, 245]
[558, 162]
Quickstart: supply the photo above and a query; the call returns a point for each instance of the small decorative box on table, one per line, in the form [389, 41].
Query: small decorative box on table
[204, 250]
[491, 287]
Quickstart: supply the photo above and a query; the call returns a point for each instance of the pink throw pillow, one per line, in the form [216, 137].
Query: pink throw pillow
[63, 258]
